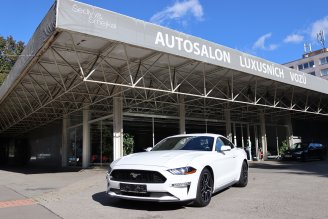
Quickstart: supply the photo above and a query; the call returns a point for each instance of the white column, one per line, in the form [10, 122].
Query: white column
[117, 127]
[256, 142]
[234, 134]
[228, 124]
[86, 150]
[153, 129]
[182, 115]
[242, 136]
[64, 149]
[289, 130]
[249, 143]
[277, 141]
[263, 135]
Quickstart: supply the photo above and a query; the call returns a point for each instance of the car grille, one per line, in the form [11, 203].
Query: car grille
[148, 194]
[137, 176]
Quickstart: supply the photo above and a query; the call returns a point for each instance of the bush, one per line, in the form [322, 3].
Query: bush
[128, 144]
[283, 147]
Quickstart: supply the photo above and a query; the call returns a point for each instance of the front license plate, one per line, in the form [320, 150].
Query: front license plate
[135, 188]
[288, 155]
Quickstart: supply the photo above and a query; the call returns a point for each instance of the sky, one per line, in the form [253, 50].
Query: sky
[275, 30]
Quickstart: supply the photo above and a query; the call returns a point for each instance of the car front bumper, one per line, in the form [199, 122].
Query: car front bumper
[175, 188]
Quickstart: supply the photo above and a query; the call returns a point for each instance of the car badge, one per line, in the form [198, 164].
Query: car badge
[135, 175]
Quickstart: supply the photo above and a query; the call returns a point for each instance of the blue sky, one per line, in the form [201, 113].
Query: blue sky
[275, 30]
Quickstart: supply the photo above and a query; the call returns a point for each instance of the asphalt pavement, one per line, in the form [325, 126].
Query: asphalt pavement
[275, 190]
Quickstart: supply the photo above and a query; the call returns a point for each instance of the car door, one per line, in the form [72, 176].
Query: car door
[311, 151]
[224, 164]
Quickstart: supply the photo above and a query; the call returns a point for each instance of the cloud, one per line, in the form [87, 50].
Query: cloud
[260, 43]
[317, 26]
[178, 11]
[294, 38]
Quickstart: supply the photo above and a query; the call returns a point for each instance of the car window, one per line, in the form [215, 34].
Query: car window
[218, 144]
[195, 143]
[226, 142]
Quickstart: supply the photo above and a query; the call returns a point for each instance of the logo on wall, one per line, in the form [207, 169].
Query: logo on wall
[94, 17]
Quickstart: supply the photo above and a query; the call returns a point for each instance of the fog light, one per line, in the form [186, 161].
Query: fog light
[181, 185]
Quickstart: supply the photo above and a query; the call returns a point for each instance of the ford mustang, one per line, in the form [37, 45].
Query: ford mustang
[188, 167]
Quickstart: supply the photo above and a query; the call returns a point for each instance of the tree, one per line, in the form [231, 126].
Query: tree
[9, 53]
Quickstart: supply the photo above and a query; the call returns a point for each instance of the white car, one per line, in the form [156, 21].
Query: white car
[179, 168]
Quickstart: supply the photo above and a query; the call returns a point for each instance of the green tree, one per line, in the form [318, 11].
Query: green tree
[10, 50]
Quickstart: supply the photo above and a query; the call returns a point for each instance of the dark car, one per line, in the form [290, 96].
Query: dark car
[305, 151]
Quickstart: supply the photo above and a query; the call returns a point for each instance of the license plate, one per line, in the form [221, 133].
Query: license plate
[288, 155]
[135, 188]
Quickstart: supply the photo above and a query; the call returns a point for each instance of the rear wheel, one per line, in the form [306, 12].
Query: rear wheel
[243, 179]
[204, 189]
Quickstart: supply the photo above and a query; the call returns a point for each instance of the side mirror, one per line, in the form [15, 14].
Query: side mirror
[225, 148]
[148, 149]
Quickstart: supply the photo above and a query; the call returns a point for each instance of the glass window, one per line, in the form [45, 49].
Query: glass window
[324, 61]
[306, 65]
[194, 143]
[218, 144]
[300, 67]
[324, 72]
[311, 64]
[291, 66]
[227, 142]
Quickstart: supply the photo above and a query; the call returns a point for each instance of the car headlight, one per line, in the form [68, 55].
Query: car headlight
[182, 171]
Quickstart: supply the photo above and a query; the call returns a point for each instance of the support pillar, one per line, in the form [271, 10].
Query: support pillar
[153, 130]
[249, 143]
[234, 134]
[277, 141]
[256, 142]
[64, 149]
[263, 135]
[289, 131]
[227, 118]
[117, 127]
[242, 136]
[86, 150]
[182, 115]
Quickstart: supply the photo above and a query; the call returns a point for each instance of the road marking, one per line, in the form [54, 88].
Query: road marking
[17, 203]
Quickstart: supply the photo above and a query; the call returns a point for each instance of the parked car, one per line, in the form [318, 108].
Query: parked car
[179, 168]
[305, 151]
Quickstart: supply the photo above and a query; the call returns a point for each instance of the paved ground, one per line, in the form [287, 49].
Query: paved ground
[275, 190]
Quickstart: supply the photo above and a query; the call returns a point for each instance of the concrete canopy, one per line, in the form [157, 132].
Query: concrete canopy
[82, 56]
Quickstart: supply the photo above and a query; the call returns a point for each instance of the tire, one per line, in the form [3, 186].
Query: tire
[204, 189]
[243, 179]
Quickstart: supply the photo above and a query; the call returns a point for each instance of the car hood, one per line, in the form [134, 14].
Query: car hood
[168, 159]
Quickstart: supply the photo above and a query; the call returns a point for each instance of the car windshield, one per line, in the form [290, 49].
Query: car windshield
[301, 145]
[194, 143]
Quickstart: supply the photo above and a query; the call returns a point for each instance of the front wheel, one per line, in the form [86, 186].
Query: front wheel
[243, 179]
[204, 189]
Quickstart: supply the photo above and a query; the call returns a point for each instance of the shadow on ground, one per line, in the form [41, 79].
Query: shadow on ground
[32, 169]
[314, 167]
[105, 200]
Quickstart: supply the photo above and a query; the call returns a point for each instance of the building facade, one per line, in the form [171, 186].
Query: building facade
[314, 63]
